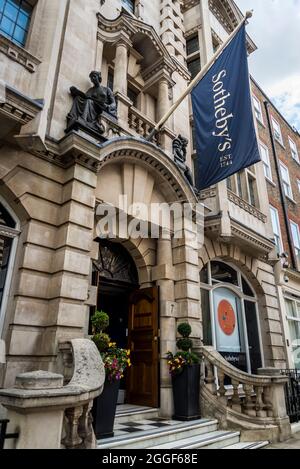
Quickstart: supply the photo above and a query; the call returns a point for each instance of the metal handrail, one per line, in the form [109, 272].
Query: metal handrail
[6, 436]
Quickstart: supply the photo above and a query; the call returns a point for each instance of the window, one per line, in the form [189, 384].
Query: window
[251, 184]
[110, 79]
[294, 150]
[258, 110]
[192, 45]
[15, 19]
[286, 180]
[129, 5]
[277, 131]
[264, 152]
[194, 66]
[8, 225]
[230, 316]
[276, 229]
[293, 317]
[133, 96]
[296, 237]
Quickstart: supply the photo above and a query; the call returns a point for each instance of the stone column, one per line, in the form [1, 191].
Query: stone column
[99, 53]
[163, 102]
[121, 67]
[120, 80]
[206, 42]
[163, 274]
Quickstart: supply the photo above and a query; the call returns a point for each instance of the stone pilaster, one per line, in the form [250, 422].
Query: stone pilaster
[163, 274]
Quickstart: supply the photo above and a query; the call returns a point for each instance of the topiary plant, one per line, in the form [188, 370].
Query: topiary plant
[184, 329]
[100, 322]
[102, 341]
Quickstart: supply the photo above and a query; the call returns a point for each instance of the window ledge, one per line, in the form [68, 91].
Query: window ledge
[270, 182]
[279, 143]
[18, 54]
[261, 123]
[291, 200]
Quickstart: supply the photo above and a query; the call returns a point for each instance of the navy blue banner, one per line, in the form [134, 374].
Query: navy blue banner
[223, 119]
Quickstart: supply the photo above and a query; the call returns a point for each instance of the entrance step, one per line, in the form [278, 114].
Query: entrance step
[160, 434]
[152, 433]
[134, 413]
[249, 445]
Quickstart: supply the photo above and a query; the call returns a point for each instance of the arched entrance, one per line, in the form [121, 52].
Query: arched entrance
[230, 316]
[134, 318]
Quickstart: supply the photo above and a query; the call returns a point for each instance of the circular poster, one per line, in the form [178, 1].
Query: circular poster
[226, 317]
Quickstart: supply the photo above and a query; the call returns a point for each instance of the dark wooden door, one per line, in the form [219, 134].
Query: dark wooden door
[142, 386]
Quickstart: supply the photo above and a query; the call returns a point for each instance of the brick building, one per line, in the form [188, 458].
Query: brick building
[280, 150]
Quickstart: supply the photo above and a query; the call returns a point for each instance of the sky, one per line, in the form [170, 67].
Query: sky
[275, 28]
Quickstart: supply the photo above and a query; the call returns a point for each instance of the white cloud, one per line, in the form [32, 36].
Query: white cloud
[274, 27]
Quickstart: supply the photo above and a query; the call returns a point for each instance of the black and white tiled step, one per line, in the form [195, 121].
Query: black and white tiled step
[127, 413]
[169, 434]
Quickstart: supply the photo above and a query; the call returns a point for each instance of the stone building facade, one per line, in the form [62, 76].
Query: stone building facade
[55, 269]
[280, 149]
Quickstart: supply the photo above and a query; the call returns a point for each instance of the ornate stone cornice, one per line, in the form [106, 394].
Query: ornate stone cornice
[208, 193]
[162, 68]
[110, 31]
[247, 207]
[240, 235]
[19, 107]
[73, 148]
[188, 4]
[18, 54]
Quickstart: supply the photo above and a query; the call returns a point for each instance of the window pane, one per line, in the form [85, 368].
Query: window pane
[14, 19]
[5, 248]
[23, 20]
[11, 11]
[251, 183]
[7, 26]
[253, 336]
[223, 273]
[207, 332]
[194, 67]
[129, 4]
[247, 289]
[192, 45]
[290, 308]
[19, 35]
[294, 327]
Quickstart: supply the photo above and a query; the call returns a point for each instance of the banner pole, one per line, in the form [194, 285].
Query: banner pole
[198, 77]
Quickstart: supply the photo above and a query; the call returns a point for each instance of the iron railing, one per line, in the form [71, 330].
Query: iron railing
[292, 394]
[5, 436]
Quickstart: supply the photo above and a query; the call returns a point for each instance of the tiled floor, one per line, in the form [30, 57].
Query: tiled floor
[128, 428]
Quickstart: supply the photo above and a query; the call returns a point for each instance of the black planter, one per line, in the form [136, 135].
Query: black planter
[104, 410]
[186, 393]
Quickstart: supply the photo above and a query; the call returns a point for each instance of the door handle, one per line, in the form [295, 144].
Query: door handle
[155, 339]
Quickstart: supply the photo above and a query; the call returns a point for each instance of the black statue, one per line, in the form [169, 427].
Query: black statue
[179, 151]
[88, 107]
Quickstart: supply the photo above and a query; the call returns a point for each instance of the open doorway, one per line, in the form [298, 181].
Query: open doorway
[133, 314]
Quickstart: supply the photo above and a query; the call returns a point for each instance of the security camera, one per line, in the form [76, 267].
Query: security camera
[286, 279]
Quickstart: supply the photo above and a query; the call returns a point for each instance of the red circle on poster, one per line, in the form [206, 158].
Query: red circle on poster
[226, 317]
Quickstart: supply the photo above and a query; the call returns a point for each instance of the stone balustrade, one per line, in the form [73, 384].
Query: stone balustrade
[140, 124]
[40, 401]
[255, 404]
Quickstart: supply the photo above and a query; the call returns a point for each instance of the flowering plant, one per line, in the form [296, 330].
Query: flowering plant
[115, 360]
[181, 359]
[185, 357]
